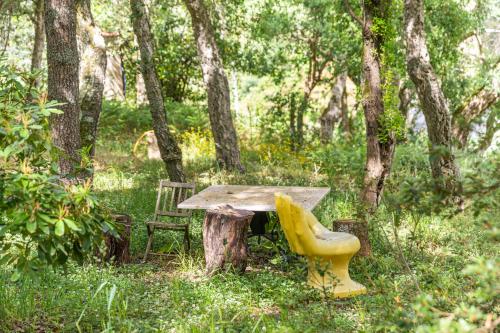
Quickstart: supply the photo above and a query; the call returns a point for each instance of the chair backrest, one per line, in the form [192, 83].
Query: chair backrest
[294, 223]
[170, 194]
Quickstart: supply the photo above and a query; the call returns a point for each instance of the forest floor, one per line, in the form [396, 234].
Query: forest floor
[420, 285]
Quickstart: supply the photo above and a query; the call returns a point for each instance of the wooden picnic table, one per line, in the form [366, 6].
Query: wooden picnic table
[225, 228]
[255, 198]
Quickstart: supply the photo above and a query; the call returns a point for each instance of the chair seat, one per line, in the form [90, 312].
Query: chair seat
[336, 243]
[335, 236]
[164, 225]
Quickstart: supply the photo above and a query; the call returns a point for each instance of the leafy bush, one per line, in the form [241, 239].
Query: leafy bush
[477, 313]
[119, 116]
[43, 222]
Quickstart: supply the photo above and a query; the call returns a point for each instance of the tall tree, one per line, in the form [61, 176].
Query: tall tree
[405, 97]
[346, 118]
[177, 60]
[465, 116]
[492, 127]
[63, 66]
[310, 40]
[433, 102]
[6, 13]
[39, 40]
[379, 151]
[215, 79]
[169, 149]
[92, 49]
[335, 111]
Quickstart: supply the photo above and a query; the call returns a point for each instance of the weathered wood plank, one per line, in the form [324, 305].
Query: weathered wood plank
[253, 198]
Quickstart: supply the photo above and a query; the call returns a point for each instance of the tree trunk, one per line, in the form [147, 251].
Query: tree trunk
[5, 26]
[39, 40]
[215, 79]
[169, 150]
[304, 104]
[379, 154]
[465, 116]
[118, 249]
[405, 95]
[225, 238]
[492, 127]
[293, 123]
[358, 229]
[92, 74]
[63, 65]
[346, 120]
[333, 113]
[432, 100]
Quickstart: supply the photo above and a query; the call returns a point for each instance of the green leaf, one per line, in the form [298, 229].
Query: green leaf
[24, 133]
[5, 258]
[31, 226]
[59, 228]
[46, 218]
[71, 225]
[44, 227]
[15, 276]
[62, 249]
[6, 152]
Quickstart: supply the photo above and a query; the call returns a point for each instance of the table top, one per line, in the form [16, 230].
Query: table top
[254, 198]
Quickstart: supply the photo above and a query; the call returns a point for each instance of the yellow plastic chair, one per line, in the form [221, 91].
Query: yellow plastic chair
[328, 252]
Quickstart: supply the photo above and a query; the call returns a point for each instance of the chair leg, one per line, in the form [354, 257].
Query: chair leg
[331, 275]
[150, 243]
[187, 241]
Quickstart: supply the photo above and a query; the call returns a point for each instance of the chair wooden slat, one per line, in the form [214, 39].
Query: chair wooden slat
[170, 194]
[163, 225]
[172, 214]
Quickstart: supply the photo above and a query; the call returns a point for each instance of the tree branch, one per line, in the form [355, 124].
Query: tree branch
[465, 116]
[352, 13]
[481, 100]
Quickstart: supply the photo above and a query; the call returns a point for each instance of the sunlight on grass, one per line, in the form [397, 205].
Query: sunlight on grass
[176, 295]
[113, 180]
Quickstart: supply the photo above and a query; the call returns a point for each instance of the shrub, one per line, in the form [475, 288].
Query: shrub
[43, 222]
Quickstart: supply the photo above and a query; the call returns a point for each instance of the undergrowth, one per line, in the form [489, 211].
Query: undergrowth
[444, 278]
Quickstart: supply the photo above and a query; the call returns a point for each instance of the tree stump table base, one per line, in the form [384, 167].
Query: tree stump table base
[225, 238]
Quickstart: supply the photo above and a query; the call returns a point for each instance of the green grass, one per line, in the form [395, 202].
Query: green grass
[176, 296]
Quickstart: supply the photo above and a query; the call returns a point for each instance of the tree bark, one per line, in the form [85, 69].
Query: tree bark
[301, 110]
[118, 249]
[358, 229]
[334, 112]
[169, 150]
[39, 40]
[92, 49]
[432, 99]
[215, 79]
[379, 154]
[465, 116]
[404, 95]
[225, 238]
[5, 26]
[292, 124]
[492, 127]
[63, 65]
[346, 119]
